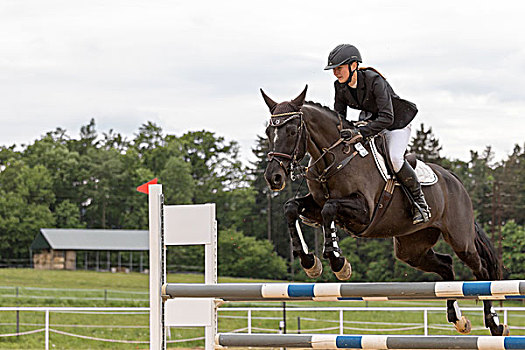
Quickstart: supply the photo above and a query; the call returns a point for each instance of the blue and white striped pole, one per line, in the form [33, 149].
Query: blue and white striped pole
[329, 341]
[495, 290]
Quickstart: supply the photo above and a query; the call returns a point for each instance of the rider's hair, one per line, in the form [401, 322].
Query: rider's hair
[373, 69]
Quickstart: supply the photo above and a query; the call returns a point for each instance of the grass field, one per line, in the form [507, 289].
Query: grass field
[130, 290]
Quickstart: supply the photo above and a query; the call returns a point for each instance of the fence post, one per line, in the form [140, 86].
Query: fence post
[47, 330]
[341, 320]
[425, 322]
[249, 321]
[284, 317]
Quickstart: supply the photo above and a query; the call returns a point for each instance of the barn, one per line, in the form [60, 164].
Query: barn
[60, 249]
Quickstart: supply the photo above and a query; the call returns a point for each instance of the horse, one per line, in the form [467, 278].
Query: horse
[346, 190]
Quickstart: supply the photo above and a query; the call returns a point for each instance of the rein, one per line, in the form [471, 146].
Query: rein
[331, 169]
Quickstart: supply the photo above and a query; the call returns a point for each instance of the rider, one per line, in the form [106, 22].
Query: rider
[367, 90]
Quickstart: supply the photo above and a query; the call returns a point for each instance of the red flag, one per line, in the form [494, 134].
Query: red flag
[144, 188]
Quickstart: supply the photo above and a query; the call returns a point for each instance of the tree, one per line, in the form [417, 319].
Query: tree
[241, 256]
[25, 197]
[426, 146]
[150, 146]
[513, 250]
[261, 211]
[510, 178]
[88, 139]
[180, 185]
[479, 183]
[52, 151]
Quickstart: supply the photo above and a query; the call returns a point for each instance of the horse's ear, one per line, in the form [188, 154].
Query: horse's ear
[269, 102]
[299, 100]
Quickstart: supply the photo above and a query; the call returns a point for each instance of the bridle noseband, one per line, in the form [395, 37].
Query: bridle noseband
[278, 120]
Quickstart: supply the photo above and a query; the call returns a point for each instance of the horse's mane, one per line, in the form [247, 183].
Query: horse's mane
[329, 111]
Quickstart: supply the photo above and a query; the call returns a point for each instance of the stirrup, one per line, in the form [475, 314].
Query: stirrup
[421, 216]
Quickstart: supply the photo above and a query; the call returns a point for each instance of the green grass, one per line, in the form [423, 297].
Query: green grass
[120, 285]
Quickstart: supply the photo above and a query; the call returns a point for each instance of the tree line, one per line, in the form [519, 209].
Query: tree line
[60, 181]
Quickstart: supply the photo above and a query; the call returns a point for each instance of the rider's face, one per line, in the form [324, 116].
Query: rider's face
[342, 73]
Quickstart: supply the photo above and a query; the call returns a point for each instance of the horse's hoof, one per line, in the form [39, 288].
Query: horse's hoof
[316, 270]
[345, 272]
[500, 330]
[463, 325]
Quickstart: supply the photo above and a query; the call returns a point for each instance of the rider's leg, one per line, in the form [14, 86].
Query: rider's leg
[407, 177]
[397, 143]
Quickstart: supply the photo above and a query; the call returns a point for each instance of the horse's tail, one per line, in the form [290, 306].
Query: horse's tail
[488, 254]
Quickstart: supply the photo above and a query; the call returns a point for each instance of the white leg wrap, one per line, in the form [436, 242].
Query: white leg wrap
[457, 310]
[334, 234]
[496, 318]
[300, 233]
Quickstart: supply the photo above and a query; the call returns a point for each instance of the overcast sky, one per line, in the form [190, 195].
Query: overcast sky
[194, 65]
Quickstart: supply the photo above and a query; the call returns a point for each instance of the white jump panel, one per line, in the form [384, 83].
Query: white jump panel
[189, 312]
[189, 224]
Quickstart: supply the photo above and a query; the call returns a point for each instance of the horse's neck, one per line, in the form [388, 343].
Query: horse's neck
[322, 131]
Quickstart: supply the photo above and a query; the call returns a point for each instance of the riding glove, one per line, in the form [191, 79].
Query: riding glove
[352, 135]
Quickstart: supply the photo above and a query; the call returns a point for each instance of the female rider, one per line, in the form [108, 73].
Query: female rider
[381, 111]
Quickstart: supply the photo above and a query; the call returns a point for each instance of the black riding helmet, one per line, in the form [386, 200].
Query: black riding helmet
[343, 54]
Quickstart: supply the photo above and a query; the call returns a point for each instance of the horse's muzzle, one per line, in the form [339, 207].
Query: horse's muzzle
[275, 177]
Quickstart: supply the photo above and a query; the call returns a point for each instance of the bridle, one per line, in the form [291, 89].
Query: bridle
[332, 168]
[278, 120]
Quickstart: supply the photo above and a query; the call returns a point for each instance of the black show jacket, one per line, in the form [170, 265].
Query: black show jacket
[379, 104]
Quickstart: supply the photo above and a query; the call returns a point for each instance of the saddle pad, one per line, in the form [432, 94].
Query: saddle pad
[424, 173]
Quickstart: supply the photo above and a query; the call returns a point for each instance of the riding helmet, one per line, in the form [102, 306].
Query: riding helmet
[343, 54]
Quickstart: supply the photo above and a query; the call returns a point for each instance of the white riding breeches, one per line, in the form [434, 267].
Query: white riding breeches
[397, 141]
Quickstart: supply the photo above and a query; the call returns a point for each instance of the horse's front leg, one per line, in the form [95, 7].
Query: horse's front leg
[340, 266]
[304, 206]
[491, 320]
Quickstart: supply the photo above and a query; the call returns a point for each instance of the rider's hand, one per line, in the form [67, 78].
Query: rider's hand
[351, 135]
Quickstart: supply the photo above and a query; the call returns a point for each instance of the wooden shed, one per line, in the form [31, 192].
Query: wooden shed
[56, 249]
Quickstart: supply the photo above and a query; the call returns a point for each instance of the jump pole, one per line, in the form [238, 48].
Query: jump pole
[175, 225]
[369, 342]
[479, 290]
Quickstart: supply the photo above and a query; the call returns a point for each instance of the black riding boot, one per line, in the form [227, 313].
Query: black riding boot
[407, 177]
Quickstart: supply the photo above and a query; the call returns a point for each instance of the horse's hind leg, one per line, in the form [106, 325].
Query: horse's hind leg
[477, 252]
[307, 207]
[416, 250]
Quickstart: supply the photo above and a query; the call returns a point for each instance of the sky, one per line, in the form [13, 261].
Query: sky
[198, 65]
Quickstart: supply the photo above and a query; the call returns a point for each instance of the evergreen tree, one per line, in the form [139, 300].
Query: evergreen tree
[479, 183]
[426, 146]
[510, 177]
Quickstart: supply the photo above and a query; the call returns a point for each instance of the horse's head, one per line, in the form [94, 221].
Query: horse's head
[287, 139]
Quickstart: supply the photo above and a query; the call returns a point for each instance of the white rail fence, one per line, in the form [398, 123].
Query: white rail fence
[73, 294]
[339, 324]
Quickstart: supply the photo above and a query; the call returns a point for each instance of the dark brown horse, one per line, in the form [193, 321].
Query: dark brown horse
[345, 189]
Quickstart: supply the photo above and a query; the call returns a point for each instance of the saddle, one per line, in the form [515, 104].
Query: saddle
[379, 148]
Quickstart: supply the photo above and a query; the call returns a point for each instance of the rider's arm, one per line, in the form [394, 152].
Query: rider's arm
[385, 114]
[339, 104]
